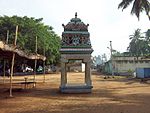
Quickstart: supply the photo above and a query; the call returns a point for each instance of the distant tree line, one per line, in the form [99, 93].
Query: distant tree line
[139, 45]
[29, 29]
[140, 42]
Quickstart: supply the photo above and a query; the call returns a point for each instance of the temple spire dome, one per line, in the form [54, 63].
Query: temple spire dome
[75, 34]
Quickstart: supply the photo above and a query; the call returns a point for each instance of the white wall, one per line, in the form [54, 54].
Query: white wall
[125, 64]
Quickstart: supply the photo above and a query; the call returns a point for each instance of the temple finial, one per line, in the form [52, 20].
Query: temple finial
[76, 15]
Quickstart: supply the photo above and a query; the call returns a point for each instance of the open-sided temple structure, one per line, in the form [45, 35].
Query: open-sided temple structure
[76, 45]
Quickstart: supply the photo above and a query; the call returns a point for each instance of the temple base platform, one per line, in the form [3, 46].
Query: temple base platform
[73, 88]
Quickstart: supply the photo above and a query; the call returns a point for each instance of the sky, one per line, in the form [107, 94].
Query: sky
[106, 22]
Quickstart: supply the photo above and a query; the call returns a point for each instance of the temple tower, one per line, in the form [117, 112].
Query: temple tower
[76, 45]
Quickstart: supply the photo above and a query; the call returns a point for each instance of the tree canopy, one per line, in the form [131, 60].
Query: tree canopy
[139, 45]
[29, 28]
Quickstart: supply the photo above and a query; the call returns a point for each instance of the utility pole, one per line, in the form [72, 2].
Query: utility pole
[44, 62]
[12, 64]
[35, 63]
[4, 69]
[7, 37]
[111, 59]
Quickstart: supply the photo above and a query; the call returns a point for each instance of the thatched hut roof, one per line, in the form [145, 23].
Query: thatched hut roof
[7, 50]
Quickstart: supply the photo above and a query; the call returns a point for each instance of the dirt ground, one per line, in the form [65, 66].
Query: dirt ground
[113, 95]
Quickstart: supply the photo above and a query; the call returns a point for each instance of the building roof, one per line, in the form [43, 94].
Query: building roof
[6, 51]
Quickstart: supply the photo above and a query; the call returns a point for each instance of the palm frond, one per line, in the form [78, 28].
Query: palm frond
[138, 7]
[124, 4]
[146, 6]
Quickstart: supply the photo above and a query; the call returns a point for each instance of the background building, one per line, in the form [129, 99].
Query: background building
[125, 65]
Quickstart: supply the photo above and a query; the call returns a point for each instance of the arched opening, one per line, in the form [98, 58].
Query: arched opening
[75, 72]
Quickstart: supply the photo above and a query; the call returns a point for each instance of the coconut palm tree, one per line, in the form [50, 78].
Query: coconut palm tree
[147, 35]
[138, 7]
[138, 45]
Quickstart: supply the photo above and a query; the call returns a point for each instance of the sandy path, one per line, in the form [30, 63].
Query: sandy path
[118, 95]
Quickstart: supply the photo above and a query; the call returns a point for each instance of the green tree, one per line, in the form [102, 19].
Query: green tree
[29, 28]
[117, 53]
[138, 45]
[147, 39]
[134, 44]
[147, 35]
[138, 6]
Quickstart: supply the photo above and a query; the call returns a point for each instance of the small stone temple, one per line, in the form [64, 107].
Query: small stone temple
[76, 45]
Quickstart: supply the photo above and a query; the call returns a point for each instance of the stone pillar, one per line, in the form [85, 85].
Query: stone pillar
[67, 88]
[63, 74]
[88, 74]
